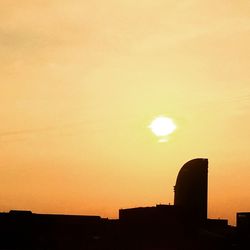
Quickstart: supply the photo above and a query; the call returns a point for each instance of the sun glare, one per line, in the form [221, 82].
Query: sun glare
[162, 126]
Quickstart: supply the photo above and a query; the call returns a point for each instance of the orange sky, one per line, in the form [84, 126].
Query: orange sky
[81, 81]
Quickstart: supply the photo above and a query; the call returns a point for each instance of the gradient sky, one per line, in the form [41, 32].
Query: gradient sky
[81, 81]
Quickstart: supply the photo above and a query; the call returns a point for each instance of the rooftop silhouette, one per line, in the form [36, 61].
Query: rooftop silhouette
[183, 225]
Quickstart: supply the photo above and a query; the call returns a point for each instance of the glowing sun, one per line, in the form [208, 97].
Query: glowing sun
[162, 126]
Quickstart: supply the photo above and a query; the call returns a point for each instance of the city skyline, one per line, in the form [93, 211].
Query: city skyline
[182, 225]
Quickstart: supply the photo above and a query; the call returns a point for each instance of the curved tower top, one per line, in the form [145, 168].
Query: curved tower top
[191, 189]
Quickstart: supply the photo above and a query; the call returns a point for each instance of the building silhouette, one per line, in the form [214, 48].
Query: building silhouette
[243, 228]
[183, 225]
[191, 189]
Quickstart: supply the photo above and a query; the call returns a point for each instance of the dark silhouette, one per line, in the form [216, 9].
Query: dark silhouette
[183, 225]
[243, 229]
[191, 189]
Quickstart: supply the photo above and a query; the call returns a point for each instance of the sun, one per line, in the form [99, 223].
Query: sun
[162, 126]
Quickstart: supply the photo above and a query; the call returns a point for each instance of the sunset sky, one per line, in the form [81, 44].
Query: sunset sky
[80, 82]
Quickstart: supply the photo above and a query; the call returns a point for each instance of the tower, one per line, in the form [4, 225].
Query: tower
[191, 189]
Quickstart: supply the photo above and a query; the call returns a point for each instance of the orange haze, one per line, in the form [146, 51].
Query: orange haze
[82, 80]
